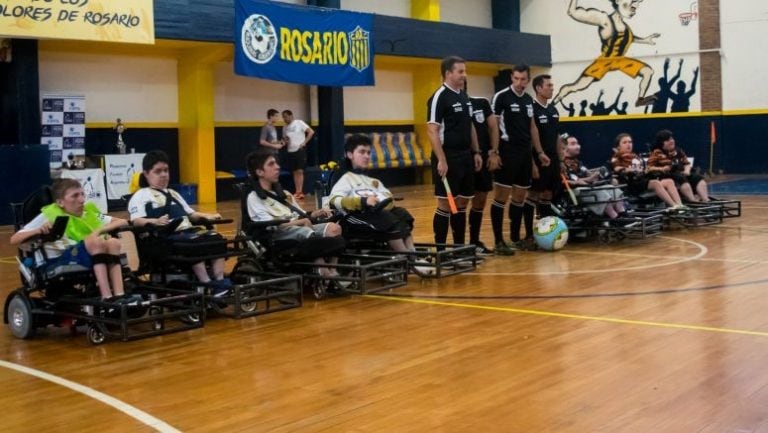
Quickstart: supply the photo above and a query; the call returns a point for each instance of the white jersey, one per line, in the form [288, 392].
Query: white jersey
[137, 207]
[357, 185]
[296, 133]
[269, 209]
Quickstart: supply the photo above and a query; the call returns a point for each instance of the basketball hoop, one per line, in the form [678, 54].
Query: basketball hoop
[685, 18]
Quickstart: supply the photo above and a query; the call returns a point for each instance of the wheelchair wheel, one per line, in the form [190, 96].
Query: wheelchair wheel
[319, 289]
[248, 267]
[159, 324]
[95, 335]
[20, 318]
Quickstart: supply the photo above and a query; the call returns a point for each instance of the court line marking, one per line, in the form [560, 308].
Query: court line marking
[576, 316]
[129, 410]
[702, 252]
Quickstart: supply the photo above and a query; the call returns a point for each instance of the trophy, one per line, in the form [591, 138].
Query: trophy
[120, 128]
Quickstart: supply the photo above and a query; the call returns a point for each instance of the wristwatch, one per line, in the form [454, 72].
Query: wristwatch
[493, 152]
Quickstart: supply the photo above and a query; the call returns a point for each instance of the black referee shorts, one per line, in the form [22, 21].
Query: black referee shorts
[461, 174]
[515, 166]
[484, 178]
[549, 176]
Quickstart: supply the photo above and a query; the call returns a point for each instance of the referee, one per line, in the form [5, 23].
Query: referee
[455, 153]
[511, 155]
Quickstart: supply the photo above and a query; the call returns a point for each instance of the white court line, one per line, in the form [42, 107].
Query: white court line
[702, 252]
[129, 410]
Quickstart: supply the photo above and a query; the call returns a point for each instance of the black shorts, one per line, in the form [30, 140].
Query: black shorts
[461, 174]
[386, 225]
[549, 176]
[484, 178]
[296, 160]
[516, 166]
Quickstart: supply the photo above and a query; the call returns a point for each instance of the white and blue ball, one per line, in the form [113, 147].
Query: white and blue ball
[551, 233]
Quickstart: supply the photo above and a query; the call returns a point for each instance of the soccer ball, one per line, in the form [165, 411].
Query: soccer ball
[551, 233]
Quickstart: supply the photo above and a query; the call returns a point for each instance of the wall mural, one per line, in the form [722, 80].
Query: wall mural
[625, 77]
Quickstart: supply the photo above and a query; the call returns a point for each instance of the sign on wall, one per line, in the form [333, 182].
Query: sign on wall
[99, 20]
[63, 128]
[305, 45]
[119, 170]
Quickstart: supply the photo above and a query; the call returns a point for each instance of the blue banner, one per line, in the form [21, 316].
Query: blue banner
[302, 44]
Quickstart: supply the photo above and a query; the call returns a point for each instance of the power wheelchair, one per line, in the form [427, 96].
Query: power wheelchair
[67, 295]
[167, 262]
[357, 273]
[577, 208]
[439, 260]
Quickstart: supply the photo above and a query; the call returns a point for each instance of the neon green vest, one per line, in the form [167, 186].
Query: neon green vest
[78, 228]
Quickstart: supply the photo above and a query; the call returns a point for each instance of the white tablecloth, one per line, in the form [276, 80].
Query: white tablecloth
[92, 180]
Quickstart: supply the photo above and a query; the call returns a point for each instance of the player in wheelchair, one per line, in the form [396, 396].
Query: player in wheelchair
[592, 188]
[290, 234]
[84, 246]
[177, 234]
[670, 162]
[367, 205]
[630, 170]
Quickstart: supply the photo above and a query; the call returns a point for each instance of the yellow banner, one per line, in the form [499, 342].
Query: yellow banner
[97, 20]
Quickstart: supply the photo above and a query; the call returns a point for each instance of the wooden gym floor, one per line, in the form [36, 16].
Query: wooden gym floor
[664, 335]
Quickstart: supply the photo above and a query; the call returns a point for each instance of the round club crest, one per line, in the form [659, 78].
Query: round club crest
[259, 39]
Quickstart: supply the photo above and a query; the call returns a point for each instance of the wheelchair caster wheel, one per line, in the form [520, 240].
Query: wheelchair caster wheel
[95, 335]
[159, 324]
[20, 318]
[319, 290]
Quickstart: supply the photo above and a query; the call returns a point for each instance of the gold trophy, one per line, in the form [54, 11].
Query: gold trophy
[120, 128]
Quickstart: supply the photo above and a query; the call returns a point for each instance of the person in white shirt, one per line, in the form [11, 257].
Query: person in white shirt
[297, 135]
[320, 242]
[359, 196]
[157, 204]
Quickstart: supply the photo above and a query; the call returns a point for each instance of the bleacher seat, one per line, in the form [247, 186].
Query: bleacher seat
[396, 150]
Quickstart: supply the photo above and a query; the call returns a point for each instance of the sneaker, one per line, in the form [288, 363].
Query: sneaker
[481, 250]
[502, 249]
[220, 288]
[525, 245]
[421, 268]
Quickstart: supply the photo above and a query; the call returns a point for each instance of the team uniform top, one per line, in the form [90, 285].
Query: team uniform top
[268, 209]
[356, 185]
[137, 207]
[451, 110]
[516, 112]
[547, 120]
[481, 111]
[660, 158]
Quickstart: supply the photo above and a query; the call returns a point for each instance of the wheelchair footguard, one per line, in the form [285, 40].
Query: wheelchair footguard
[696, 215]
[357, 274]
[160, 311]
[255, 293]
[446, 259]
[638, 224]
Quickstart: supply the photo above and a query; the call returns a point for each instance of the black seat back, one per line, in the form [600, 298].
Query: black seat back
[27, 210]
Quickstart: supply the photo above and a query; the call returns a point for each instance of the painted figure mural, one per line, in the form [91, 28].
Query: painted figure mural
[616, 37]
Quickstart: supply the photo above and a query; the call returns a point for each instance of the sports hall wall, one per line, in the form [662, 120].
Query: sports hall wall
[703, 70]
[140, 84]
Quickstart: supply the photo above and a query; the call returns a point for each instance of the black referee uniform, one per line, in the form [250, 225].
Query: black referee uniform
[515, 146]
[547, 121]
[481, 111]
[452, 110]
